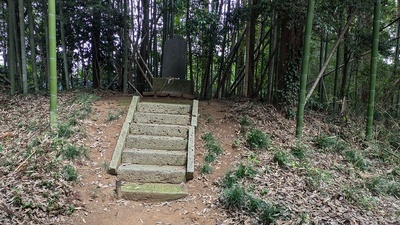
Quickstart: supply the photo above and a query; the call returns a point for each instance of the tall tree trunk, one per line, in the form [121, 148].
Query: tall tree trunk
[336, 79]
[126, 48]
[189, 41]
[291, 41]
[272, 57]
[374, 62]
[23, 46]
[140, 80]
[11, 45]
[33, 46]
[64, 47]
[53, 63]
[250, 44]
[95, 44]
[304, 69]
[346, 65]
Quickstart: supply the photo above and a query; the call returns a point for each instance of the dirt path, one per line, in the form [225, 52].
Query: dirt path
[96, 187]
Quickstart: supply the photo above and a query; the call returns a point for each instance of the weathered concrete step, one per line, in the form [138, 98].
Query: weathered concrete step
[156, 142]
[152, 192]
[141, 117]
[156, 107]
[154, 157]
[152, 173]
[159, 129]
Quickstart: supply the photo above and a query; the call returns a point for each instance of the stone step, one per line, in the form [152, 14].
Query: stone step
[154, 157]
[156, 142]
[159, 129]
[152, 192]
[142, 117]
[166, 108]
[151, 173]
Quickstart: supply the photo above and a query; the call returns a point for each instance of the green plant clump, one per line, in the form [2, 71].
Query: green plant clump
[282, 158]
[234, 198]
[357, 159]
[114, 116]
[299, 151]
[256, 139]
[72, 152]
[205, 169]
[70, 173]
[64, 130]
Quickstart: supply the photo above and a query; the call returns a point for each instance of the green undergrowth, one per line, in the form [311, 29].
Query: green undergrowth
[43, 158]
[235, 197]
[213, 151]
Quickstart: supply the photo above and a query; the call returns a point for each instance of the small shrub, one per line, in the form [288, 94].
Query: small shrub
[234, 198]
[205, 169]
[359, 197]
[1, 147]
[244, 121]
[299, 151]
[210, 157]
[208, 137]
[357, 159]
[383, 186]
[114, 116]
[229, 180]
[316, 177]
[282, 158]
[245, 171]
[254, 204]
[269, 213]
[70, 173]
[72, 152]
[256, 139]
[324, 142]
[64, 130]
[236, 143]
[214, 148]
[86, 98]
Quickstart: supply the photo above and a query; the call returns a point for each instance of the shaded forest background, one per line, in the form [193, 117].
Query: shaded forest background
[235, 48]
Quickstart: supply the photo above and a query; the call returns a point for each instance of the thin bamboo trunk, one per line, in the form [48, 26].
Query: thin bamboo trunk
[304, 69]
[33, 46]
[11, 45]
[23, 46]
[64, 47]
[53, 63]
[373, 68]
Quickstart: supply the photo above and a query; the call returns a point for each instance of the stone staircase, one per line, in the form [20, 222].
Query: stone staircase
[154, 154]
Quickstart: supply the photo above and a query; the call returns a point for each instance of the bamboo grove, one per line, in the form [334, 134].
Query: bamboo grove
[250, 48]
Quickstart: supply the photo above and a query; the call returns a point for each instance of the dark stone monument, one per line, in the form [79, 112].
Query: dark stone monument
[174, 58]
[172, 81]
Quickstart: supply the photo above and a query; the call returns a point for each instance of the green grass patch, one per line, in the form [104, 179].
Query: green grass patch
[112, 115]
[359, 197]
[206, 168]
[256, 139]
[315, 178]
[330, 143]
[64, 130]
[382, 185]
[356, 159]
[72, 152]
[282, 158]
[212, 149]
[69, 173]
[299, 151]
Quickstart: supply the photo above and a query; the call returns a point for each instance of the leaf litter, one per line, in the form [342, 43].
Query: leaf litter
[35, 178]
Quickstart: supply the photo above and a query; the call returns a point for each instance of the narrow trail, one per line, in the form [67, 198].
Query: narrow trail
[96, 187]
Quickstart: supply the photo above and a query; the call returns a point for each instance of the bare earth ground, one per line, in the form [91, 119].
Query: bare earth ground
[97, 187]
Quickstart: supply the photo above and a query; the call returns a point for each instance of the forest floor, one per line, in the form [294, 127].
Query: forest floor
[331, 177]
